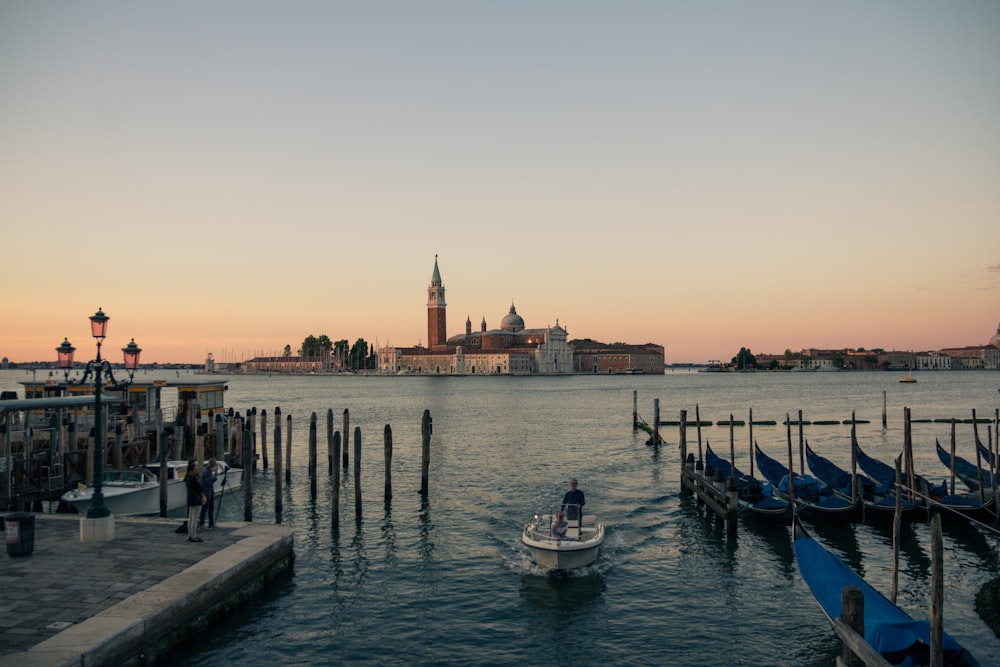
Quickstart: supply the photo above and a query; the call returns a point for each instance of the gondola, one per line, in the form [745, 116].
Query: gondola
[970, 506]
[893, 633]
[754, 502]
[885, 474]
[966, 471]
[815, 506]
[880, 505]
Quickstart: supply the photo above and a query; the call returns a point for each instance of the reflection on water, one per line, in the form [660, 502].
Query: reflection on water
[562, 591]
[776, 538]
[842, 540]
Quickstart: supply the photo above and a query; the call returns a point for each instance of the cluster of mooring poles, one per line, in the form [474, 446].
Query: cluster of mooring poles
[36, 474]
[338, 457]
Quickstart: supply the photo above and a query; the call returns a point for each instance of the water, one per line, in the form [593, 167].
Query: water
[444, 580]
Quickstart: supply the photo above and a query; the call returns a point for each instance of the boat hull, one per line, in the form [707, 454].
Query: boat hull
[565, 553]
[142, 496]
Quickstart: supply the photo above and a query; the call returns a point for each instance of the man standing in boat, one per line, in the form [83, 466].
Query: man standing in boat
[573, 501]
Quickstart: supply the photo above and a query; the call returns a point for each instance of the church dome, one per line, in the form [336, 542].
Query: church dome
[996, 339]
[512, 321]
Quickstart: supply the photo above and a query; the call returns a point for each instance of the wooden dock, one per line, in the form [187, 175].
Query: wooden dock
[129, 601]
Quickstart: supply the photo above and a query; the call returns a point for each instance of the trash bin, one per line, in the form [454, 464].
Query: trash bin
[20, 529]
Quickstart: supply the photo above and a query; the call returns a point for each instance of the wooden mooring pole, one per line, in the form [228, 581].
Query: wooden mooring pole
[329, 441]
[278, 506]
[164, 439]
[884, 418]
[656, 422]
[252, 463]
[347, 435]
[683, 439]
[387, 436]
[357, 472]
[247, 479]
[425, 452]
[312, 457]
[635, 410]
[263, 438]
[335, 485]
[288, 450]
[852, 612]
[937, 593]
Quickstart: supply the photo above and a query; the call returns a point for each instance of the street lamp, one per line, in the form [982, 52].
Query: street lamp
[100, 369]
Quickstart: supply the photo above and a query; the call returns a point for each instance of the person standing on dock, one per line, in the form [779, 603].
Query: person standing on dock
[195, 499]
[573, 501]
[208, 488]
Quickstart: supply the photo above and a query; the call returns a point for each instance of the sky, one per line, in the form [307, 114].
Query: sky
[229, 177]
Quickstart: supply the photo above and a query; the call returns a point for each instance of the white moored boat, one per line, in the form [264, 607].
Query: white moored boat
[578, 548]
[137, 490]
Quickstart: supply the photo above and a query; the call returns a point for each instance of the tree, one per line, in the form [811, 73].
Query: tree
[744, 359]
[314, 346]
[340, 350]
[359, 357]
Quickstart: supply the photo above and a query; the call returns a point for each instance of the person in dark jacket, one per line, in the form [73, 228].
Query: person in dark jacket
[573, 501]
[208, 488]
[195, 499]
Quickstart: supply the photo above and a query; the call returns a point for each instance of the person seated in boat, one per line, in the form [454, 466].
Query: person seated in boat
[559, 525]
[573, 501]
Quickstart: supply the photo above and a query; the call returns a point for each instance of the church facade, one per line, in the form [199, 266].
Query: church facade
[511, 349]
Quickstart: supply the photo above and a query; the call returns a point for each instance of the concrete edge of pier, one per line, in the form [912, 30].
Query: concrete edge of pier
[143, 627]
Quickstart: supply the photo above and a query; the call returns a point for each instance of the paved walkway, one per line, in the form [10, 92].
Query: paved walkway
[65, 582]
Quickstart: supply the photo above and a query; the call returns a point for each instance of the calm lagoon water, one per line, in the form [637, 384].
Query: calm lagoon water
[443, 579]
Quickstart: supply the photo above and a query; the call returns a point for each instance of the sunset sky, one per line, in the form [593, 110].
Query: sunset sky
[232, 176]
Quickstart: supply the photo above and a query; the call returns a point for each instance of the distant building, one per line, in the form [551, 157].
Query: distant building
[974, 357]
[511, 349]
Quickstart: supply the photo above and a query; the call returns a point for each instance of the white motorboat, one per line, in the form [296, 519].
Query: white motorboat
[137, 490]
[578, 548]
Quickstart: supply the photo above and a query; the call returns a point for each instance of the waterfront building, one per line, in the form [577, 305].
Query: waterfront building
[974, 357]
[510, 349]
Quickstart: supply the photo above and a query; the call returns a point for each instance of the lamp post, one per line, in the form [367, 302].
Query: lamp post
[100, 369]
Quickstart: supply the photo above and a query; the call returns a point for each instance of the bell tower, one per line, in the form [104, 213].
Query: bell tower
[437, 335]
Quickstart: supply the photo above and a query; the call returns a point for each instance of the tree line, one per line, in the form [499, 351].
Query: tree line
[339, 354]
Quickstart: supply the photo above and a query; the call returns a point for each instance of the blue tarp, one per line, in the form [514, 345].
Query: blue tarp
[806, 486]
[888, 629]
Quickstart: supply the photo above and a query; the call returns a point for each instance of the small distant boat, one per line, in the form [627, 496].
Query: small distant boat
[908, 378]
[893, 633]
[579, 548]
[136, 491]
